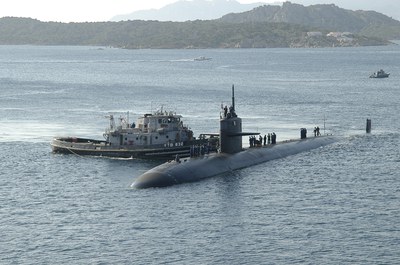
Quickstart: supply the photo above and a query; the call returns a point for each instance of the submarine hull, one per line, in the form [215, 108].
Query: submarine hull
[195, 169]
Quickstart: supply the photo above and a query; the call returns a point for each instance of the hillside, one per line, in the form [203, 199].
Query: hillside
[166, 35]
[326, 17]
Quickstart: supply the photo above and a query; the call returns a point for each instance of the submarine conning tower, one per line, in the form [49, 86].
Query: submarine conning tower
[230, 135]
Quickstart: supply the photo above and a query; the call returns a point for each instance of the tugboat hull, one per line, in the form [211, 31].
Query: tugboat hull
[83, 146]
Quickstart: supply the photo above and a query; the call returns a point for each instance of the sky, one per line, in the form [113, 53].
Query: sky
[82, 10]
[104, 10]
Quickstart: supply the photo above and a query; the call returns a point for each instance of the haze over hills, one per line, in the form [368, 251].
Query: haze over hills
[184, 10]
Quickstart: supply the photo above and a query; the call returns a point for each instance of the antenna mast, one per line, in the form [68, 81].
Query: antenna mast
[233, 97]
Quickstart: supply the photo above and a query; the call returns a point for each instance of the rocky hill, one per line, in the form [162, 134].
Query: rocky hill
[325, 17]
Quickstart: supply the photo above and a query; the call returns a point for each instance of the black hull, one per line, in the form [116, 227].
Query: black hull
[83, 147]
[385, 76]
[191, 170]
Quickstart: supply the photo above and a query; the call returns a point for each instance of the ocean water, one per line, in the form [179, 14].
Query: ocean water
[335, 205]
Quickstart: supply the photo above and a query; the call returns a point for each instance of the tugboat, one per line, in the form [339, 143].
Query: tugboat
[161, 135]
[380, 74]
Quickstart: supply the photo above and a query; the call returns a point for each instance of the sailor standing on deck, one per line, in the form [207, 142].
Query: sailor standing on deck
[273, 138]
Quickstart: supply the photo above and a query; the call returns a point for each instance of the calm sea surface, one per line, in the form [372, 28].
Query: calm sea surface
[335, 205]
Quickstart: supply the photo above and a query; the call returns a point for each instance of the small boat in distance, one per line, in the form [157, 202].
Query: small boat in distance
[379, 74]
[202, 58]
[161, 135]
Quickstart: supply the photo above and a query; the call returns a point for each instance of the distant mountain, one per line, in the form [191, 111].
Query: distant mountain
[185, 10]
[327, 17]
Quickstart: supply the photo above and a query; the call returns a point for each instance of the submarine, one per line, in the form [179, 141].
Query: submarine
[231, 156]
